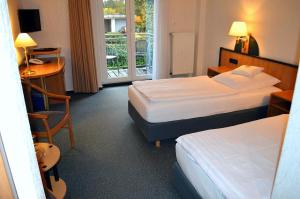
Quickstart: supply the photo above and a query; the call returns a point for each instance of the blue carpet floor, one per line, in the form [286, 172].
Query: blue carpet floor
[111, 158]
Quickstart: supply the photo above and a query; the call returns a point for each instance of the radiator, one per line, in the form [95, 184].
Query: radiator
[182, 53]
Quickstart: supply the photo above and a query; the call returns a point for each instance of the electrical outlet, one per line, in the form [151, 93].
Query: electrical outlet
[233, 61]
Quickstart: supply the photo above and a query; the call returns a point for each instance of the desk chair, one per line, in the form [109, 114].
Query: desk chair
[47, 123]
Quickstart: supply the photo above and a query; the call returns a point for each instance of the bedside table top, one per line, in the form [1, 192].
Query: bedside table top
[286, 95]
[221, 69]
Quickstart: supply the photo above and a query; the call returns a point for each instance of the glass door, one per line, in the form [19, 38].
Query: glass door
[128, 26]
[143, 37]
[116, 40]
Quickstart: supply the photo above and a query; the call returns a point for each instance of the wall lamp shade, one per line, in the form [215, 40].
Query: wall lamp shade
[24, 40]
[245, 42]
[238, 29]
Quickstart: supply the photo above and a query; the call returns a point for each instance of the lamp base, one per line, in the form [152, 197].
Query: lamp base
[28, 72]
[238, 46]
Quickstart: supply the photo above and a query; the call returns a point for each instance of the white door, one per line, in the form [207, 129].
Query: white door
[128, 26]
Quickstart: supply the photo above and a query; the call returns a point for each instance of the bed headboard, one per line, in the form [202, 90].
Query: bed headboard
[287, 73]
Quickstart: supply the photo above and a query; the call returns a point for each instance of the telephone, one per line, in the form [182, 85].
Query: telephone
[36, 61]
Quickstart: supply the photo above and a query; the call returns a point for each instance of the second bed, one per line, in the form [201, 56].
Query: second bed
[165, 109]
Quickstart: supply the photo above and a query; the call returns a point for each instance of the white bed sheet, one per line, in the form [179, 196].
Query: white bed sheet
[236, 162]
[196, 175]
[155, 112]
[175, 89]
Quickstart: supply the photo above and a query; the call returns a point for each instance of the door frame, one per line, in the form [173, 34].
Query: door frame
[99, 42]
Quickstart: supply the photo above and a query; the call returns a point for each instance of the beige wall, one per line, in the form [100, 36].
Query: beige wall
[55, 29]
[55, 24]
[13, 14]
[182, 15]
[274, 23]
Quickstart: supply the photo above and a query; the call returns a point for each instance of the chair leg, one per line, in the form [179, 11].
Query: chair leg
[71, 134]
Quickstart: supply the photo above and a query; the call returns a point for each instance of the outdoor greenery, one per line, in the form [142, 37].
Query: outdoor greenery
[116, 45]
[116, 42]
[113, 7]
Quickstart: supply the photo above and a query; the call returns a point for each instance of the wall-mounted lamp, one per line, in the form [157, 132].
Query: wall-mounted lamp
[239, 30]
[244, 43]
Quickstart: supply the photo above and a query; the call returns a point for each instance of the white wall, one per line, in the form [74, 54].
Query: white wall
[287, 180]
[55, 29]
[16, 139]
[180, 17]
[274, 23]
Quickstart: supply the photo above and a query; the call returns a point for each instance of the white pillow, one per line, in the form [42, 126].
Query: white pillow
[248, 71]
[243, 83]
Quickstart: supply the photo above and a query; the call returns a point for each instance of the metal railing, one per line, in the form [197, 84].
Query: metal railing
[117, 52]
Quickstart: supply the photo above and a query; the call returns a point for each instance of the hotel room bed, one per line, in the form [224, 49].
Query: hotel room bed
[164, 120]
[233, 162]
[170, 119]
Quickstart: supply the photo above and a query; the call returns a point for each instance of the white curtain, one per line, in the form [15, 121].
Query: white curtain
[161, 57]
[99, 38]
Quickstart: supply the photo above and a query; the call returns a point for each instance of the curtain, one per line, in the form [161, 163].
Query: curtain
[82, 47]
[161, 47]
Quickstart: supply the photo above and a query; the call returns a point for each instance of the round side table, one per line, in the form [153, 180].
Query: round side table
[48, 156]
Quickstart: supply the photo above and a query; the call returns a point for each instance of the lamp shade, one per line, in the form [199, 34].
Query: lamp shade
[238, 29]
[24, 40]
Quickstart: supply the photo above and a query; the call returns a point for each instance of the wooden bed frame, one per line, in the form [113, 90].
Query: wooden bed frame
[287, 73]
[154, 132]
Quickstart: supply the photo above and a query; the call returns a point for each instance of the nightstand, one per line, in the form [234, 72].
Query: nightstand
[216, 70]
[280, 102]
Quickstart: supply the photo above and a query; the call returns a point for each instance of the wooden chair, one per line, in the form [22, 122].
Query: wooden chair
[47, 123]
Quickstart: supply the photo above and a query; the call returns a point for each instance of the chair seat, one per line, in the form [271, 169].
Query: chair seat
[54, 117]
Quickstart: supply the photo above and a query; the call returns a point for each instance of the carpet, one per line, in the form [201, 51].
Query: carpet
[111, 158]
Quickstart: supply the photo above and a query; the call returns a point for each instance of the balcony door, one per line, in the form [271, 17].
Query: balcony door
[128, 26]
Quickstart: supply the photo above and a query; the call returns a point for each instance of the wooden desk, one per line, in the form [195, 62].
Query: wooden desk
[53, 67]
[49, 76]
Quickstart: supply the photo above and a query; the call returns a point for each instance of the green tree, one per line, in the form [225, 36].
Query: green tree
[112, 7]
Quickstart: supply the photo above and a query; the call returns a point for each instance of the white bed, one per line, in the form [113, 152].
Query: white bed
[197, 106]
[233, 162]
[169, 108]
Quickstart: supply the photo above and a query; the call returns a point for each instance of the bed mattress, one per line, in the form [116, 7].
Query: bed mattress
[156, 112]
[233, 162]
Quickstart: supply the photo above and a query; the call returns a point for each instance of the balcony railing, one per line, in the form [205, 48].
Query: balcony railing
[117, 52]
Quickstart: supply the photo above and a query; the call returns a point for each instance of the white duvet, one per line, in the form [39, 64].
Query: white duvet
[182, 88]
[241, 160]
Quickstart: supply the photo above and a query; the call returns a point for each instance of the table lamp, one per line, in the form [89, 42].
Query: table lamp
[239, 30]
[24, 40]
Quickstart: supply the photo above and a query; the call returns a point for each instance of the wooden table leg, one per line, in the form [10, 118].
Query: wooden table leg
[48, 181]
[46, 102]
[55, 172]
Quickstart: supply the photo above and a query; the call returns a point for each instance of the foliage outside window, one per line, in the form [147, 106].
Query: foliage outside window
[116, 42]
